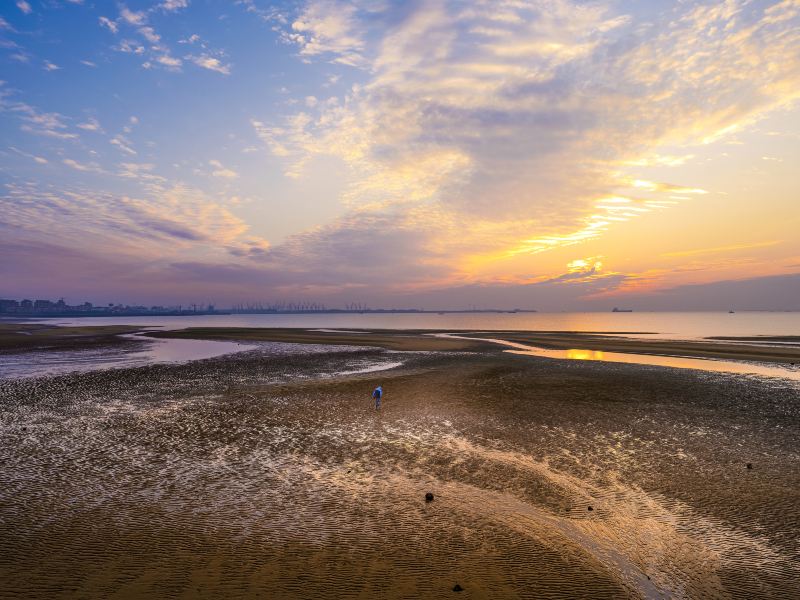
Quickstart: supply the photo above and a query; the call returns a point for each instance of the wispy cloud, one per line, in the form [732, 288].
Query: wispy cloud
[719, 249]
[173, 5]
[48, 124]
[79, 166]
[132, 17]
[153, 48]
[91, 124]
[38, 159]
[123, 143]
[109, 24]
[329, 28]
[222, 171]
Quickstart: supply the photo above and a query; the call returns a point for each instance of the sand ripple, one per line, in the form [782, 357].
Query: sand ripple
[240, 478]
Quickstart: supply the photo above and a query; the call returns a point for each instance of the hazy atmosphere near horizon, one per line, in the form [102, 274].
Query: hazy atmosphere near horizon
[550, 155]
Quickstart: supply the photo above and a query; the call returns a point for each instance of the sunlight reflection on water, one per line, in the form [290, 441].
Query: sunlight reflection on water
[680, 362]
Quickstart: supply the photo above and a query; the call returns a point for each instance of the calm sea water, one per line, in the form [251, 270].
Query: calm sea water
[666, 325]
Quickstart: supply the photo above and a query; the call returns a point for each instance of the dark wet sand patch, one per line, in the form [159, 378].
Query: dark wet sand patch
[406, 340]
[24, 337]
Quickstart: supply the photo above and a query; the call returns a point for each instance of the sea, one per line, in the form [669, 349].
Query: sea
[663, 325]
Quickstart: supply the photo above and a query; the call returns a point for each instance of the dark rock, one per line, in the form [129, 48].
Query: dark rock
[429, 497]
[457, 588]
[24, 429]
[749, 465]
[590, 508]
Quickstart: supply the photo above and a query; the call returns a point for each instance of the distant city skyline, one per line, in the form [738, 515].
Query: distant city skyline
[551, 155]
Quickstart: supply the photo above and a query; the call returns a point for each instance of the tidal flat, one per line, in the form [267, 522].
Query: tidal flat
[271, 475]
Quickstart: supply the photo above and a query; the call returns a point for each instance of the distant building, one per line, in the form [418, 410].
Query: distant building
[8, 305]
[26, 305]
[43, 305]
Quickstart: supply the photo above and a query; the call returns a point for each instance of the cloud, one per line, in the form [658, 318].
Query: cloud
[48, 124]
[773, 292]
[480, 143]
[221, 171]
[123, 144]
[38, 159]
[173, 5]
[720, 249]
[210, 63]
[150, 35]
[109, 24]
[328, 28]
[170, 62]
[581, 269]
[132, 17]
[91, 167]
[24, 7]
[167, 220]
[526, 118]
[91, 124]
[155, 51]
[48, 66]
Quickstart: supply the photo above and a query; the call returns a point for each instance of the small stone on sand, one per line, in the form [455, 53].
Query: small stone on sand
[457, 588]
[590, 508]
[429, 497]
[749, 465]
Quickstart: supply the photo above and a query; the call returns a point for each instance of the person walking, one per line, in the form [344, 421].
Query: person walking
[378, 394]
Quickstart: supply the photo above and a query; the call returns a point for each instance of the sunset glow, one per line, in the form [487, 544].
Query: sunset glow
[549, 155]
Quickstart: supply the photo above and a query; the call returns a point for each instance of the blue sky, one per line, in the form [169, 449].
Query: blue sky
[526, 153]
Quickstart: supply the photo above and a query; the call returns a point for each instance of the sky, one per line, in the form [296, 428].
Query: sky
[551, 155]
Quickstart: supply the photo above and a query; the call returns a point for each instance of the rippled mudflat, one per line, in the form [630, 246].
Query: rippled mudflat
[271, 475]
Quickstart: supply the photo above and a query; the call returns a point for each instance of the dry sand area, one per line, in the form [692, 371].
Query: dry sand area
[260, 476]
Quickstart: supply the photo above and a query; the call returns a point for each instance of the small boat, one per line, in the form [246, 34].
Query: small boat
[615, 309]
[730, 312]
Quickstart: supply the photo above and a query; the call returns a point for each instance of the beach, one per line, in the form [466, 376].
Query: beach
[270, 474]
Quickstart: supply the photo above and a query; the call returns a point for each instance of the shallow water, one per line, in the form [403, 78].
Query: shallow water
[791, 372]
[145, 352]
[150, 351]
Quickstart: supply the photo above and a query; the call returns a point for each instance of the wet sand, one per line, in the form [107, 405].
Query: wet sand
[405, 340]
[24, 337]
[715, 348]
[748, 349]
[270, 476]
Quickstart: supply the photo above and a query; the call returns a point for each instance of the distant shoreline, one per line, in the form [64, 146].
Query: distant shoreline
[185, 313]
